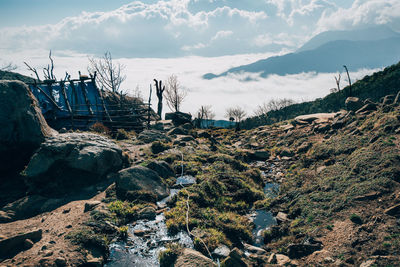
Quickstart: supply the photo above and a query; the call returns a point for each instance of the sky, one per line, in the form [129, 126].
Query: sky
[189, 38]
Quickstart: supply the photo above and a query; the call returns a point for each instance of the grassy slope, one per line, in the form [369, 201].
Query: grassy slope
[373, 86]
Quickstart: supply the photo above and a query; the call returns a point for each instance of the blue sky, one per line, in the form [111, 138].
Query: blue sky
[179, 28]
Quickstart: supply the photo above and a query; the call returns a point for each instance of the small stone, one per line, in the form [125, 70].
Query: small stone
[221, 252]
[282, 217]
[255, 250]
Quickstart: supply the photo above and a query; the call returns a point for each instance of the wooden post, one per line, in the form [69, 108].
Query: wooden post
[149, 109]
[83, 86]
[93, 78]
[71, 83]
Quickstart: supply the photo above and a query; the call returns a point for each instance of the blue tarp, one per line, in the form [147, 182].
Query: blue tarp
[75, 94]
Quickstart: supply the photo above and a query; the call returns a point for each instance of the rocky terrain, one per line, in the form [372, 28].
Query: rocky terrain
[67, 198]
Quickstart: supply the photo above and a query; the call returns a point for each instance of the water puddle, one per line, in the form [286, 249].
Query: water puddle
[185, 180]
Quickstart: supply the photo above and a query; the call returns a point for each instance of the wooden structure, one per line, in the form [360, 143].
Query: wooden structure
[79, 103]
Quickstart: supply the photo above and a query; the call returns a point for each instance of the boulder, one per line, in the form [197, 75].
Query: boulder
[193, 258]
[22, 126]
[162, 168]
[71, 160]
[353, 103]
[13, 245]
[178, 131]
[27, 207]
[149, 136]
[221, 251]
[278, 259]
[139, 178]
[179, 118]
[317, 118]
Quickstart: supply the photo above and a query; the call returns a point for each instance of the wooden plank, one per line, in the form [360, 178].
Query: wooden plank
[83, 86]
[48, 97]
[64, 93]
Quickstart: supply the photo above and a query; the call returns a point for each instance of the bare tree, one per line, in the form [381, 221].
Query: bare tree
[159, 91]
[137, 93]
[337, 79]
[273, 104]
[8, 67]
[237, 113]
[348, 76]
[49, 71]
[109, 74]
[205, 113]
[174, 93]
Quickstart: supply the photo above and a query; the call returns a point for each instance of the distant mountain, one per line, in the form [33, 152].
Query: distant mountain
[368, 34]
[329, 57]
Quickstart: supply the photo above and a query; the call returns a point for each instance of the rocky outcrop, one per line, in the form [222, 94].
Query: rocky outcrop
[193, 258]
[139, 178]
[22, 125]
[13, 245]
[68, 161]
[179, 118]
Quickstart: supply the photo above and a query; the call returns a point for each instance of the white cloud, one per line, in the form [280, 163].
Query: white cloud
[362, 13]
[221, 93]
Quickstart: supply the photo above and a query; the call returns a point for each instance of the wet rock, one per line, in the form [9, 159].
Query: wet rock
[393, 211]
[90, 205]
[353, 103]
[192, 258]
[69, 161]
[150, 136]
[13, 245]
[179, 118]
[139, 178]
[221, 251]
[162, 168]
[22, 126]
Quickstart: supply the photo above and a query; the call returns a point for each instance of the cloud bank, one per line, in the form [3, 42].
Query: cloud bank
[178, 28]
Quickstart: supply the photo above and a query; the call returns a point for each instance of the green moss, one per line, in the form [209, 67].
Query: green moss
[168, 256]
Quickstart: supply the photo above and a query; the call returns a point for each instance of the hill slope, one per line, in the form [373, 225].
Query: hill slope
[329, 57]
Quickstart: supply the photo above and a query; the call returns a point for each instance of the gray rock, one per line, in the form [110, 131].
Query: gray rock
[193, 258]
[68, 161]
[139, 178]
[255, 250]
[178, 131]
[162, 168]
[28, 206]
[353, 103]
[148, 213]
[22, 125]
[221, 251]
[149, 136]
[179, 118]
[13, 245]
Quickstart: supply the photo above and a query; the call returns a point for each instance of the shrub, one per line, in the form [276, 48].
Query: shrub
[99, 127]
[121, 134]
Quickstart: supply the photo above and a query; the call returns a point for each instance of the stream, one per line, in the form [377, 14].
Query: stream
[147, 238]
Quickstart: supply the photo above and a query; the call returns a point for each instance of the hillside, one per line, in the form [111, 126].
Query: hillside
[371, 87]
[329, 57]
[9, 75]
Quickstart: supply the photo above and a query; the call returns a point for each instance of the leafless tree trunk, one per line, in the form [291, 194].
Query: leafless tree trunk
[49, 71]
[237, 113]
[205, 113]
[109, 74]
[337, 79]
[174, 93]
[348, 76]
[159, 91]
